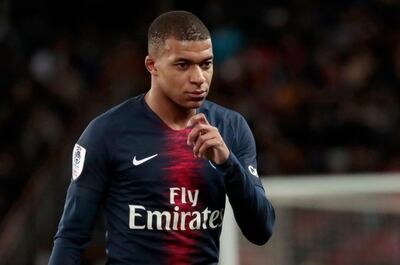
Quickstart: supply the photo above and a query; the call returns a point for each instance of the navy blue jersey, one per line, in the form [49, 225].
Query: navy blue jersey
[161, 204]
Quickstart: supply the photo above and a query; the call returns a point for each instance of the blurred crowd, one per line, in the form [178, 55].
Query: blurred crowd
[317, 81]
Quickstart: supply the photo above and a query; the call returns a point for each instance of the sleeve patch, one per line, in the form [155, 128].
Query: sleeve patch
[253, 171]
[78, 160]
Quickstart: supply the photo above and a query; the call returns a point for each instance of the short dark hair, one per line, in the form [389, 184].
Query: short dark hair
[181, 25]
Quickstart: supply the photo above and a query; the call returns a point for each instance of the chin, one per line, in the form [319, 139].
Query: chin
[193, 104]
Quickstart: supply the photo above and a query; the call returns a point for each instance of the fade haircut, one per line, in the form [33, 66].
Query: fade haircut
[180, 25]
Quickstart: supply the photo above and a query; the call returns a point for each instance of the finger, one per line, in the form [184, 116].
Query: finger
[208, 145]
[198, 118]
[200, 141]
[196, 131]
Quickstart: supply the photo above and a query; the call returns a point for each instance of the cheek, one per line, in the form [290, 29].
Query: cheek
[178, 79]
[208, 76]
[209, 73]
[173, 84]
[170, 78]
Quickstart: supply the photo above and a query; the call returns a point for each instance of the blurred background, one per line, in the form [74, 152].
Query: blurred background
[318, 82]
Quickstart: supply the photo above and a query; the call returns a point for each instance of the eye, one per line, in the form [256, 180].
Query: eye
[182, 65]
[206, 65]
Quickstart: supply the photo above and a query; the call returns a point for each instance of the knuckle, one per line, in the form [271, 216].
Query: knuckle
[200, 139]
[203, 148]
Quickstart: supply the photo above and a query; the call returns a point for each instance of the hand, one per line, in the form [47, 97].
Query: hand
[206, 140]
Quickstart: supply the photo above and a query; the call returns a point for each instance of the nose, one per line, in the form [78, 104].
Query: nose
[197, 75]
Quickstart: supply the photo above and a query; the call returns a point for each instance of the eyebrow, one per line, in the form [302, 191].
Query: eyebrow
[181, 59]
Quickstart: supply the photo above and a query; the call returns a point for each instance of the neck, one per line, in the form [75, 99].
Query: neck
[173, 115]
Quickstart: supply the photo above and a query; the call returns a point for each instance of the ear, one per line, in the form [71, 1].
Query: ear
[150, 65]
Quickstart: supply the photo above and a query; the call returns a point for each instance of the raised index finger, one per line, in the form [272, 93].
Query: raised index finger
[198, 118]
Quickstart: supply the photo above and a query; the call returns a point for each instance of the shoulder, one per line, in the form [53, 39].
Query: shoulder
[218, 114]
[231, 124]
[233, 128]
[113, 120]
[118, 115]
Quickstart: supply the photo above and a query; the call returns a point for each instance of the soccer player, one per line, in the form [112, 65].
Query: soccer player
[160, 164]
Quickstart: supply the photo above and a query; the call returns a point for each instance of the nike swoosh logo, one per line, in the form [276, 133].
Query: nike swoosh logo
[141, 161]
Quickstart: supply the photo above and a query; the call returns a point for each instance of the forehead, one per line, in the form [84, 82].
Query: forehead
[190, 50]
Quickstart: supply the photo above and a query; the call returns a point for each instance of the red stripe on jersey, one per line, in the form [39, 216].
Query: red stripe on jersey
[184, 171]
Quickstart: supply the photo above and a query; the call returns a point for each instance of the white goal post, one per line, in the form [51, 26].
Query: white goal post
[351, 192]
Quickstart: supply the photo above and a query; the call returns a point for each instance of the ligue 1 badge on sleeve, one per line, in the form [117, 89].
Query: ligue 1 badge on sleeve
[78, 160]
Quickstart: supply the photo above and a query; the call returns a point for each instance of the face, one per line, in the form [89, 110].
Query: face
[182, 71]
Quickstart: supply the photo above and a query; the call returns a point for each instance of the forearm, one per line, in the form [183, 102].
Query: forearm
[66, 252]
[253, 212]
[75, 227]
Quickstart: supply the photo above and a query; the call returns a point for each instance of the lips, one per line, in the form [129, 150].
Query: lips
[197, 95]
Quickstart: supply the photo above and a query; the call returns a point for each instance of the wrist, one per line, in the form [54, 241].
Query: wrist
[223, 158]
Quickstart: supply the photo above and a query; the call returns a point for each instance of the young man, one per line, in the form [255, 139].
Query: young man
[161, 163]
